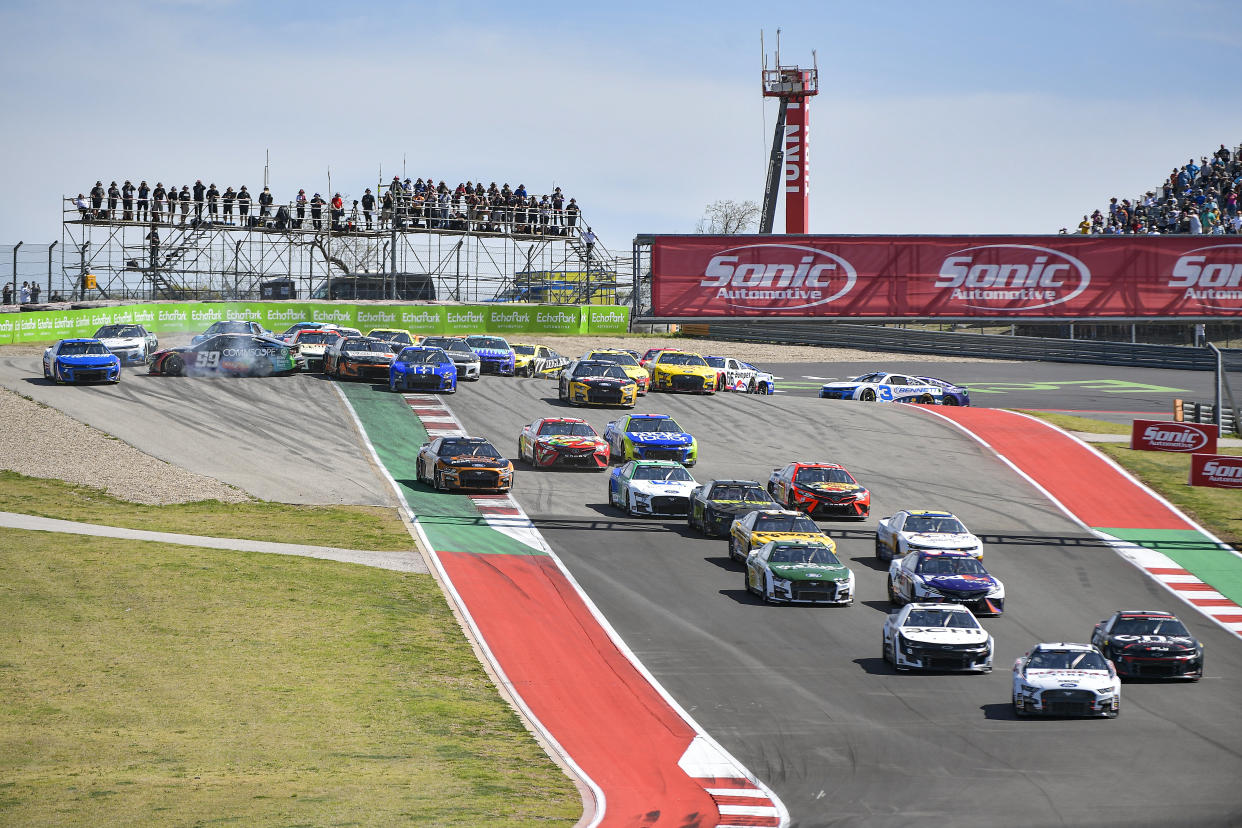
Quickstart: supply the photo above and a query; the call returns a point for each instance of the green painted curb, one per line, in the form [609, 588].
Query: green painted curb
[1215, 565]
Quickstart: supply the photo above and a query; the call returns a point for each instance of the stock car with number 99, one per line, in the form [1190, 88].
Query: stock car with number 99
[240, 355]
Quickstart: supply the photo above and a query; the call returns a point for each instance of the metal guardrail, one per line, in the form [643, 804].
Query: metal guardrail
[1194, 412]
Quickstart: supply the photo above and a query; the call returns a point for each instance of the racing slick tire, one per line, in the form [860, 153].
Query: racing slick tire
[733, 552]
[948, 400]
[867, 395]
[1114, 713]
[437, 480]
[174, 365]
[753, 388]
[893, 597]
[927, 399]
[1019, 710]
[880, 549]
[746, 583]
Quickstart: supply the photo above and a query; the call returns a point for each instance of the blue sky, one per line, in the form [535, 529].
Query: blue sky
[945, 117]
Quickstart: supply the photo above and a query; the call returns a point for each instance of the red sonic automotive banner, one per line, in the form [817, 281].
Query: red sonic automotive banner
[961, 277]
[1155, 435]
[1223, 471]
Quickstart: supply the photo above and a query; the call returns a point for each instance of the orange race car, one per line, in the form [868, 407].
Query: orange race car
[820, 490]
[463, 463]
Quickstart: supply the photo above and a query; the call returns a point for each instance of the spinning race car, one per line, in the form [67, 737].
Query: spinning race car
[923, 529]
[651, 487]
[80, 360]
[239, 355]
[1058, 679]
[799, 572]
[565, 441]
[884, 387]
[650, 437]
[131, 343]
[820, 490]
[232, 326]
[928, 576]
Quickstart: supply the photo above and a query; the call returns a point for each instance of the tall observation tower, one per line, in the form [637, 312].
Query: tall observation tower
[794, 86]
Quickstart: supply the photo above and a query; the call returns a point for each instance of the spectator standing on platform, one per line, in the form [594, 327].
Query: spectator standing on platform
[127, 200]
[368, 206]
[265, 202]
[316, 204]
[199, 192]
[588, 238]
[24, 296]
[153, 243]
[35, 290]
[7, 297]
[83, 209]
[386, 208]
[144, 199]
[300, 201]
[97, 196]
[571, 213]
[158, 197]
[185, 202]
[558, 207]
[243, 206]
[338, 211]
[213, 203]
[229, 197]
[114, 195]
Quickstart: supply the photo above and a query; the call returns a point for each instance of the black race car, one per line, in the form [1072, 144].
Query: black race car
[715, 504]
[239, 355]
[1149, 644]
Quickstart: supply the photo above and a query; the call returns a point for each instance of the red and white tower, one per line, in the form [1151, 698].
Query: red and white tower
[794, 87]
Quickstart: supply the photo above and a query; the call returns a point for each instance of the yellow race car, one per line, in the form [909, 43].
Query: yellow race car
[682, 371]
[532, 360]
[627, 362]
[753, 530]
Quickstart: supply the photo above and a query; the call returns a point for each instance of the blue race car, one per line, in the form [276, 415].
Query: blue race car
[495, 355]
[650, 437]
[422, 368]
[953, 394]
[81, 360]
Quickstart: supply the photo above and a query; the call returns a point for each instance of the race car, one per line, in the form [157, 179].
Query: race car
[399, 335]
[650, 437]
[682, 371]
[923, 529]
[1059, 679]
[628, 364]
[289, 333]
[928, 576]
[753, 529]
[565, 441]
[650, 487]
[950, 394]
[310, 344]
[820, 489]
[495, 355]
[232, 326]
[799, 572]
[239, 355]
[458, 350]
[649, 357]
[417, 368]
[463, 463]
[356, 357]
[80, 360]
[715, 505]
[765, 383]
[937, 637]
[735, 375]
[529, 360]
[131, 343]
[882, 386]
[1149, 644]
[589, 382]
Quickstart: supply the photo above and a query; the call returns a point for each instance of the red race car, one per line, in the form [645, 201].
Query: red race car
[565, 441]
[820, 489]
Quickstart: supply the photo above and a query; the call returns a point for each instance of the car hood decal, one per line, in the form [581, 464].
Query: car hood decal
[659, 438]
[830, 487]
[959, 583]
[807, 571]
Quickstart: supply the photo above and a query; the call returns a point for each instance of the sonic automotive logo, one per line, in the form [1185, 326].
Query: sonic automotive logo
[778, 276]
[1153, 435]
[1010, 276]
[1211, 275]
[1223, 471]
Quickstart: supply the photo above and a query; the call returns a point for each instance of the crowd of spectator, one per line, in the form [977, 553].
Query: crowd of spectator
[1196, 198]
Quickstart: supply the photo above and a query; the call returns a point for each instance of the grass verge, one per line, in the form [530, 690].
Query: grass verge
[347, 527]
[144, 684]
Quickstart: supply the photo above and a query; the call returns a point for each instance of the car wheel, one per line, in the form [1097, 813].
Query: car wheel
[927, 399]
[174, 365]
[886, 651]
[1019, 710]
[734, 552]
[1112, 714]
[881, 550]
[893, 597]
[437, 481]
[867, 395]
[753, 388]
[948, 400]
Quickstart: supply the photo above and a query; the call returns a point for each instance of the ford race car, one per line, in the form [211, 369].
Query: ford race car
[239, 355]
[650, 487]
[754, 529]
[458, 350]
[310, 343]
[463, 463]
[936, 637]
[951, 394]
[628, 364]
[80, 360]
[883, 387]
[715, 505]
[1059, 679]
[131, 343]
[956, 577]
[1149, 644]
[682, 371]
[917, 529]
[650, 437]
[799, 572]
[232, 326]
[417, 368]
[820, 489]
[590, 382]
[398, 335]
[566, 441]
[529, 360]
[356, 357]
[495, 355]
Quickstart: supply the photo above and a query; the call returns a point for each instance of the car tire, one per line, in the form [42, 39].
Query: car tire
[753, 388]
[948, 400]
[733, 552]
[882, 550]
[893, 598]
[1114, 713]
[1018, 710]
[886, 652]
[174, 365]
[927, 399]
[867, 395]
[437, 480]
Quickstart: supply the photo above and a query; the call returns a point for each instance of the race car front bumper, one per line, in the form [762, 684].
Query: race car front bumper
[846, 506]
[1148, 666]
[659, 504]
[811, 592]
[1066, 702]
[587, 458]
[943, 657]
[364, 370]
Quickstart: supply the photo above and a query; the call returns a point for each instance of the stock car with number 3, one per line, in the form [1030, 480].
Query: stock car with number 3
[81, 360]
[716, 504]
[240, 355]
[927, 576]
[564, 441]
[1060, 679]
[651, 487]
[650, 437]
[799, 572]
[820, 489]
[882, 386]
[936, 637]
[912, 530]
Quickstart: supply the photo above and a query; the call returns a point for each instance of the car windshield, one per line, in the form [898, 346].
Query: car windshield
[118, 331]
[560, 429]
[820, 475]
[423, 356]
[83, 349]
[661, 473]
[615, 358]
[734, 491]
[1066, 660]
[391, 336]
[785, 523]
[462, 448]
[1138, 625]
[803, 554]
[675, 358]
[448, 344]
[316, 338]
[934, 523]
[524, 350]
[951, 566]
[366, 345]
[953, 619]
[493, 342]
[650, 424]
[228, 326]
[715, 362]
[588, 369]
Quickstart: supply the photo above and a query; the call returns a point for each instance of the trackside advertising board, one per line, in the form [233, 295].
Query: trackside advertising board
[1154, 435]
[958, 277]
[168, 318]
[1221, 471]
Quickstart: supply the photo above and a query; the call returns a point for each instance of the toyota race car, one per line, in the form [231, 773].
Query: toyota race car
[529, 360]
[458, 350]
[463, 463]
[754, 529]
[232, 326]
[883, 387]
[650, 487]
[1058, 679]
[799, 572]
[81, 360]
[956, 577]
[565, 441]
[495, 355]
[310, 344]
[239, 355]
[918, 529]
[936, 637]
[628, 364]
[682, 371]
[1149, 644]
[650, 437]
[422, 369]
[715, 505]
[131, 343]
[820, 489]
[356, 357]
[589, 382]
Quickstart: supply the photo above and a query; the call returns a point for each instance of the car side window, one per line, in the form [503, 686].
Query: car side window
[896, 379]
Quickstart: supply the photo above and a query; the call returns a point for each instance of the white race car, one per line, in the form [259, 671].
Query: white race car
[912, 530]
[131, 343]
[651, 487]
[1065, 680]
[936, 637]
[882, 386]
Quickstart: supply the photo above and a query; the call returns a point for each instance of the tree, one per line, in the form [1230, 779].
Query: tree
[726, 217]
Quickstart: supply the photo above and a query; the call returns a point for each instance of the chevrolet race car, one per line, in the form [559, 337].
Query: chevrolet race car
[735, 375]
[799, 572]
[628, 364]
[936, 637]
[239, 355]
[650, 437]
[820, 489]
[463, 463]
[566, 441]
[715, 505]
[922, 529]
[81, 360]
[131, 343]
[495, 355]
[1058, 679]
[529, 360]
[754, 529]
[928, 576]
[682, 371]
[589, 382]
[1149, 644]
[232, 326]
[650, 487]
[950, 394]
[399, 335]
[463, 356]
[884, 387]
[417, 368]
[310, 343]
[356, 357]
